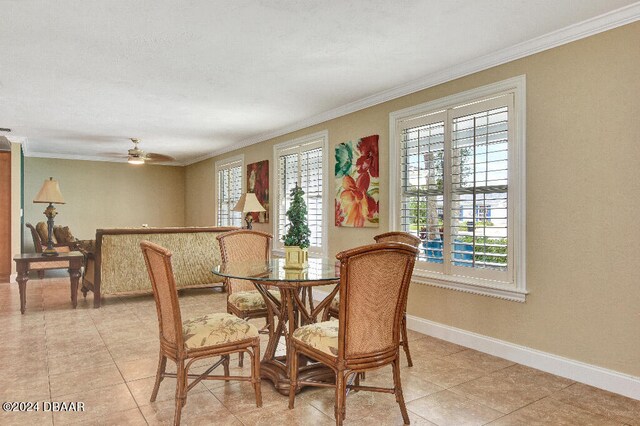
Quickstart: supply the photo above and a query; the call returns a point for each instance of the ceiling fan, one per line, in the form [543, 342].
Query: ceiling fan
[137, 156]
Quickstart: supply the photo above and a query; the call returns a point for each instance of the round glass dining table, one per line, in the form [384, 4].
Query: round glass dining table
[295, 307]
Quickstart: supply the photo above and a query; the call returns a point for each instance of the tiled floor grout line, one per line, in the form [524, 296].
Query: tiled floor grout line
[222, 403]
[49, 317]
[44, 319]
[118, 368]
[519, 408]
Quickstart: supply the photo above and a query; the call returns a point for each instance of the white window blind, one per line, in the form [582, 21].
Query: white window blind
[229, 192]
[480, 183]
[303, 165]
[460, 180]
[422, 200]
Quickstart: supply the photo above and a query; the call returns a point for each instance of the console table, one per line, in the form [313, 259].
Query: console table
[23, 264]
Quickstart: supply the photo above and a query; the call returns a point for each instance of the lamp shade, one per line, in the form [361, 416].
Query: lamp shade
[248, 203]
[49, 193]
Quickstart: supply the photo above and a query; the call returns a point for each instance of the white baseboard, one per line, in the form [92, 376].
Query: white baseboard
[599, 377]
[592, 375]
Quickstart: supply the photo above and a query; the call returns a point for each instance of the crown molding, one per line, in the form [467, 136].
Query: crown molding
[589, 27]
[202, 158]
[238, 145]
[17, 139]
[580, 30]
[90, 158]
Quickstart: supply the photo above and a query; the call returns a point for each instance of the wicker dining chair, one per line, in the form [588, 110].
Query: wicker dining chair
[367, 334]
[388, 237]
[243, 300]
[218, 334]
[413, 241]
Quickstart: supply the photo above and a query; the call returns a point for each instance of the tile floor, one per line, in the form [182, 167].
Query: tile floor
[107, 359]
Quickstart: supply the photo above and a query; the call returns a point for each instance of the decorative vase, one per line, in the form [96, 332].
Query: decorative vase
[295, 257]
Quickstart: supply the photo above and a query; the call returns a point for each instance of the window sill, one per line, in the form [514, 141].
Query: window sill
[470, 285]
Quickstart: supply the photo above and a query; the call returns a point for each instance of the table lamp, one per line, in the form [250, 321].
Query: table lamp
[248, 203]
[49, 193]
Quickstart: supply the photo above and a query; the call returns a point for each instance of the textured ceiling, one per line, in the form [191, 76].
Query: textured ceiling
[78, 78]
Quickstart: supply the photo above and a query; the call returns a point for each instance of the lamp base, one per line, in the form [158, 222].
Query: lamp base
[249, 220]
[50, 212]
[49, 252]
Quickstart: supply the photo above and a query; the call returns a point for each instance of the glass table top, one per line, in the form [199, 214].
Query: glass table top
[319, 269]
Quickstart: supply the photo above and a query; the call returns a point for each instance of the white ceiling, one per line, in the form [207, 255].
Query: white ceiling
[191, 78]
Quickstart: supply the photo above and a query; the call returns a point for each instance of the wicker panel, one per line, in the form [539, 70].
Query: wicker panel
[240, 285]
[89, 269]
[164, 292]
[123, 270]
[372, 308]
[49, 265]
[239, 246]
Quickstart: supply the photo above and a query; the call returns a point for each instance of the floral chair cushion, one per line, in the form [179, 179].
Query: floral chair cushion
[322, 336]
[250, 300]
[216, 329]
[63, 235]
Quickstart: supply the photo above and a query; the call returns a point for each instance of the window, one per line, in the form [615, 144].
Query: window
[230, 188]
[303, 162]
[458, 169]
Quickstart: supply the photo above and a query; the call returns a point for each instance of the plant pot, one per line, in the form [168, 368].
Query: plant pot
[295, 257]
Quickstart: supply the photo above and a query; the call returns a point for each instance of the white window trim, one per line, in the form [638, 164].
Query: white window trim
[323, 136]
[517, 187]
[223, 164]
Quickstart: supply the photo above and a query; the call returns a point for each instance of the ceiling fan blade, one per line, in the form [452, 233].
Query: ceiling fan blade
[152, 157]
[113, 154]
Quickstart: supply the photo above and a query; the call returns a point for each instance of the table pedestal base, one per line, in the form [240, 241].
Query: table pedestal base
[277, 373]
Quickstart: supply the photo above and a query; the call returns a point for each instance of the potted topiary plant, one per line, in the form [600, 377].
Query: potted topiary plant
[296, 241]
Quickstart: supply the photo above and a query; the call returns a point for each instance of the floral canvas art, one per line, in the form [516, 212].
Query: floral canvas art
[258, 183]
[357, 188]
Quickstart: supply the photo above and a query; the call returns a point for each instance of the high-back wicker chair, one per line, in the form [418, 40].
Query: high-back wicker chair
[367, 335]
[39, 245]
[389, 237]
[413, 241]
[219, 334]
[243, 245]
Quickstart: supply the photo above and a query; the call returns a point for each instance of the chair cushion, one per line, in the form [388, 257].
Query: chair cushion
[322, 336]
[216, 329]
[250, 300]
[43, 233]
[86, 246]
[63, 234]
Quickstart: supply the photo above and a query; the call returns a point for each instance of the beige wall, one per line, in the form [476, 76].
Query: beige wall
[106, 195]
[583, 199]
[199, 194]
